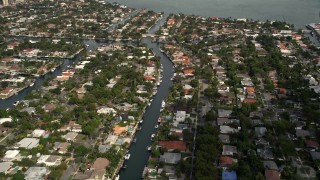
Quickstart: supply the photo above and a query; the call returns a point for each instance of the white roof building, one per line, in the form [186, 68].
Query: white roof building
[106, 110]
[5, 167]
[180, 116]
[28, 143]
[12, 155]
[38, 133]
[71, 136]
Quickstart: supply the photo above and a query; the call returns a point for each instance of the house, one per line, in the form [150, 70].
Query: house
[228, 130]
[111, 139]
[270, 165]
[70, 136]
[106, 110]
[6, 92]
[104, 148]
[5, 167]
[38, 133]
[224, 113]
[302, 133]
[71, 126]
[260, 131]
[49, 107]
[311, 144]
[229, 175]
[265, 153]
[61, 147]
[173, 145]
[229, 150]
[226, 161]
[272, 174]
[315, 155]
[99, 168]
[28, 143]
[180, 116]
[225, 121]
[170, 158]
[36, 173]
[12, 155]
[50, 160]
[224, 138]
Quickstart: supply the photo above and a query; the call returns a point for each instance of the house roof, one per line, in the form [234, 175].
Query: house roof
[272, 175]
[171, 158]
[171, 145]
[249, 100]
[311, 144]
[225, 161]
[100, 163]
[270, 165]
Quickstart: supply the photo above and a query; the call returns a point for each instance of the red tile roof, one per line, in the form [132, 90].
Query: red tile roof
[312, 144]
[248, 100]
[272, 174]
[172, 145]
[225, 161]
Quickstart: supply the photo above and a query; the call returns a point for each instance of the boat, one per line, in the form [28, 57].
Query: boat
[32, 84]
[159, 120]
[141, 121]
[134, 140]
[163, 104]
[117, 177]
[148, 148]
[127, 156]
[156, 127]
[16, 103]
[124, 166]
[152, 136]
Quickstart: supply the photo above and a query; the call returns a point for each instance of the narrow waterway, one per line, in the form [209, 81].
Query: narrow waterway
[8, 103]
[139, 154]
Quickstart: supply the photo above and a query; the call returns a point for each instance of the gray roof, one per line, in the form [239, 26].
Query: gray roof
[4, 166]
[224, 113]
[302, 133]
[36, 173]
[260, 131]
[224, 138]
[171, 158]
[270, 165]
[315, 155]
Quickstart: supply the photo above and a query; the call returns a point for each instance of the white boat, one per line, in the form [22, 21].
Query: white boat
[148, 148]
[156, 127]
[53, 69]
[159, 120]
[158, 84]
[134, 140]
[152, 137]
[141, 121]
[117, 177]
[16, 103]
[163, 104]
[127, 156]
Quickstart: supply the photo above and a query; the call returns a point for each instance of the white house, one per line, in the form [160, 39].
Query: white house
[3, 120]
[50, 160]
[28, 143]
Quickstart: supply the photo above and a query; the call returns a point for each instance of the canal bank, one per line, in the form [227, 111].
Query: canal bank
[139, 154]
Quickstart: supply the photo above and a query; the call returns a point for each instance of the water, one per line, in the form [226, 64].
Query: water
[139, 154]
[297, 12]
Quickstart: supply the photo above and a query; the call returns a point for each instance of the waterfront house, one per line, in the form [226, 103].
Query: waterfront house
[170, 158]
[173, 145]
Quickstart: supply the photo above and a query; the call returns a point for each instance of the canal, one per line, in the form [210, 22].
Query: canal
[8, 103]
[139, 154]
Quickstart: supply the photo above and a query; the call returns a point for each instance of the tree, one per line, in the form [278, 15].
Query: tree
[18, 176]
